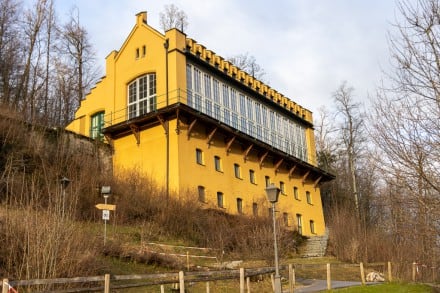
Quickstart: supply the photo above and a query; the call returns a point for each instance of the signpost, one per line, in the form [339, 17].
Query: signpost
[105, 215]
[103, 206]
[106, 208]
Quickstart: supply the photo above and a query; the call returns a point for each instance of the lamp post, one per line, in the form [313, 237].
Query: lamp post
[64, 183]
[272, 193]
[105, 191]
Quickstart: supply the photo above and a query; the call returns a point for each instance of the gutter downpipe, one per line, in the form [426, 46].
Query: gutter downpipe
[167, 132]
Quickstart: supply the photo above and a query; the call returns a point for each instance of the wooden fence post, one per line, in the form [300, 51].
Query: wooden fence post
[361, 265]
[241, 280]
[248, 284]
[5, 286]
[187, 260]
[181, 282]
[390, 275]
[291, 278]
[162, 289]
[414, 272]
[272, 279]
[107, 283]
[207, 287]
[329, 279]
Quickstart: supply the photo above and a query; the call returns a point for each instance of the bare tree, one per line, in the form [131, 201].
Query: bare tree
[27, 84]
[326, 144]
[248, 64]
[173, 17]
[351, 127]
[79, 58]
[9, 49]
[406, 129]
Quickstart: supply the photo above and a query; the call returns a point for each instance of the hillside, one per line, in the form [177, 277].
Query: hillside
[54, 230]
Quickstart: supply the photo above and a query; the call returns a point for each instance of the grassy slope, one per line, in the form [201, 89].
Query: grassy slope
[391, 287]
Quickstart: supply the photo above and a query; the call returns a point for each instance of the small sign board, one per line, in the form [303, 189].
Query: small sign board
[103, 206]
[106, 215]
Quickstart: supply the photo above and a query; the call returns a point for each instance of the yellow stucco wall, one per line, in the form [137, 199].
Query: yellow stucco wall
[192, 175]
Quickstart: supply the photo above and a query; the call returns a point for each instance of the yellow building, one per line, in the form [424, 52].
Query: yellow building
[180, 113]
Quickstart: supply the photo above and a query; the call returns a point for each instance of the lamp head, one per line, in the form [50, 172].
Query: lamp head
[106, 190]
[272, 193]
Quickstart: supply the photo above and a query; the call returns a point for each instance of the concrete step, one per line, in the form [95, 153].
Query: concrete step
[315, 246]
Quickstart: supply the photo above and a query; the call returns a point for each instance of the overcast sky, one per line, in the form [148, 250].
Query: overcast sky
[307, 48]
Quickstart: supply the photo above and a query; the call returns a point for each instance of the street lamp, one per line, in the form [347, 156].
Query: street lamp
[64, 183]
[272, 193]
[105, 191]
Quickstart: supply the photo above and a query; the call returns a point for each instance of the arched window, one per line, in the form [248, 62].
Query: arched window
[142, 95]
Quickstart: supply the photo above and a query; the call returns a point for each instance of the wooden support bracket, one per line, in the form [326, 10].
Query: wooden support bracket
[135, 130]
[277, 165]
[178, 121]
[211, 136]
[305, 177]
[317, 181]
[191, 126]
[247, 151]
[262, 158]
[110, 141]
[291, 171]
[229, 144]
[163, 123]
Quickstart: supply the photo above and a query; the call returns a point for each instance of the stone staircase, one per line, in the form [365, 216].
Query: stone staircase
[315, 246]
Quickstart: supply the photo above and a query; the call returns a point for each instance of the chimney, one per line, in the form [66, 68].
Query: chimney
[141, 18]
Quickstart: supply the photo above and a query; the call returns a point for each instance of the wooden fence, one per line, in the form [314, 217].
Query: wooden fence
[181, 279]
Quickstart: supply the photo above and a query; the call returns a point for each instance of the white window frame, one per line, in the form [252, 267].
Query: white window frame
[141, 95]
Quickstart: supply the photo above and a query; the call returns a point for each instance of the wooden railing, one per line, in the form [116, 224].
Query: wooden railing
[181, 279]
[143, 280]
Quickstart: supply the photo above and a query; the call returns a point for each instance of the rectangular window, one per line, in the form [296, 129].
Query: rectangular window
[286, 219]
[252, 177]
[225, 96]
[226, 116]
[312, 227]
[199, 157]
[189, 85]
[207, 79]
[295, 193]
[217, 112]
[255, 209]
[267, 180]
[96, 126]
[234, 100]
[197, 80]
[282, 187]
[299, 223]
[216, 91]
[208, 107]
[220, 203]
[218, 164]
[235, 120]
[239, 205]
[309, 197]
[237, 171]
[144, 51]
[201, 191]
